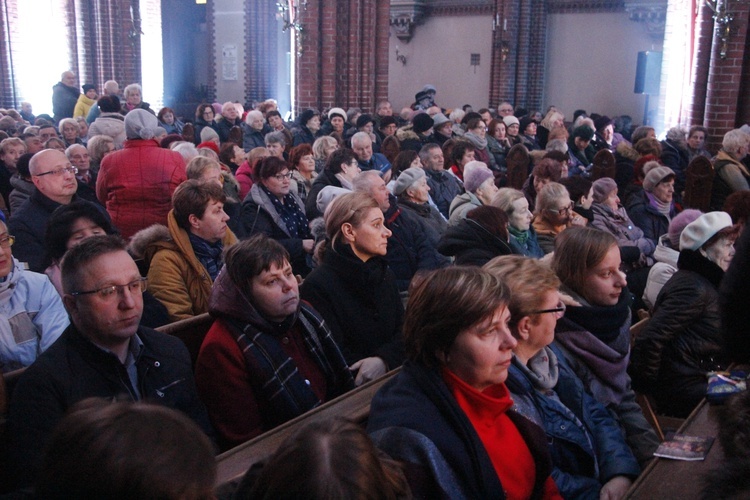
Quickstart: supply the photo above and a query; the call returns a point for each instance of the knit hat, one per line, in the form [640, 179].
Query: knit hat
[386, 120]
[525, 121]
[429, 88]
[422, 122]
[602, 122]
[306, 116]
[327, 195]
[209, 145]
[475, 174]
[678, 223]
[702, 229]
[86, 87]
[336, 112]
[406, 179]
[602, 188]
[364, 120]
[439, 119]
[207, 134]
[140, 124]
[655, 175]
[510, 120]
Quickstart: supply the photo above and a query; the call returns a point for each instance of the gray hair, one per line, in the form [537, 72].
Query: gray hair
[548, 195]
[734, 140]
[557, 145]
[252, 115]
[676, 134]
[363, 181]
[72, 148]
[505, 198]
[360, 136]
[132, 88]
[275, 138]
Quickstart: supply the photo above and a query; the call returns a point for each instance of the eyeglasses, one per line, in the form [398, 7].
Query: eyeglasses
[559, 311]
[281, 177]
[563, 210]
[108, 292]
[7, 241]
[59, 171]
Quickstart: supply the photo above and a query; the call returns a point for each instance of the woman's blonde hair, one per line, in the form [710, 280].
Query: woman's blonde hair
[198, 165]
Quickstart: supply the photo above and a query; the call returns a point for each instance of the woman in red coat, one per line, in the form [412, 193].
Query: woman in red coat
[136, 183]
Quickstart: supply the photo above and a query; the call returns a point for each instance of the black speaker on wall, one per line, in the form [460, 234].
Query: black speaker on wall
[648, 73]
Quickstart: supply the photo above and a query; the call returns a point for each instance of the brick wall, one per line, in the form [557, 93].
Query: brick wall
[725, 84]
[7, 86]
[521, 28]
[344, 59]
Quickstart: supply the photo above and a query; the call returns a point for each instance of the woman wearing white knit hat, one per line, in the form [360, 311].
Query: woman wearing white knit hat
[683, 340]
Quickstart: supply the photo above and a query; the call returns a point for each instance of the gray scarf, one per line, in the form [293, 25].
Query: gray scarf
[477, 141]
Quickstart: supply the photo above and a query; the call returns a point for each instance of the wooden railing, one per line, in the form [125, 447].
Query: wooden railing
[354, 405]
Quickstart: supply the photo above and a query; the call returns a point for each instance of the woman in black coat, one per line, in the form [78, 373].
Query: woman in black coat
[683, 340]
[477, 239]
[354, 290]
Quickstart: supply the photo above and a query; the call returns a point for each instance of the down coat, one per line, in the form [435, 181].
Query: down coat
[683, 340]
[136, 184]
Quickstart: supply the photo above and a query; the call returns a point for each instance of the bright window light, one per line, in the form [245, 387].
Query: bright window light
[45, 57]
[152, 60]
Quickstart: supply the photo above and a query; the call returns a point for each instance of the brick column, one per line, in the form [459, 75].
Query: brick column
[704, 31]
[344, 54]
[8, 98]
[725, 78]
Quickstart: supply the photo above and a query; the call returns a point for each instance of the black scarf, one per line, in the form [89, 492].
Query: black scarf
[693, 260]
[604, 322]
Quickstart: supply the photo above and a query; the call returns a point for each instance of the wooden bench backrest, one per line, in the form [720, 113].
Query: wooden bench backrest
[354, 405]
[191, 331]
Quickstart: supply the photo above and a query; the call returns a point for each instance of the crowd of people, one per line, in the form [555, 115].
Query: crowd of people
[341, 246]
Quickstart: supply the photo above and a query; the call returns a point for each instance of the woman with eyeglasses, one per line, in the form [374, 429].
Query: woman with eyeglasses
[589, 454]
[273, 209]
[594, 334]
[204, 117]
[33, 316]
[553, 214]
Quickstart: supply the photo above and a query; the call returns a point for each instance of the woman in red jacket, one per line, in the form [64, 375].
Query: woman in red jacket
[136, 183]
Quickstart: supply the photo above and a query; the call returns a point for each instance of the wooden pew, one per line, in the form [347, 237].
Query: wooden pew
[665, 478]
[191, 331]
[354, 405]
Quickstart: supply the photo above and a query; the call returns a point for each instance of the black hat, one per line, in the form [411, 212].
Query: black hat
[88, 87]
[602, 122]
[364, 120]
[385, 121]
[422, 122]
[307, 115]
[524, 122]
[422, 94]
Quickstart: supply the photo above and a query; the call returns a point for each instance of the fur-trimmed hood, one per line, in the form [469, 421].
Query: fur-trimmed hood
[144, 238]
[406, 132]
[626, 149]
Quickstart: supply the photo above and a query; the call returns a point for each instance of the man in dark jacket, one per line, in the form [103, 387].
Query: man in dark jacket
[55, 184]
[103, 353]
[64, 96]
[409, 249]
[443, 186]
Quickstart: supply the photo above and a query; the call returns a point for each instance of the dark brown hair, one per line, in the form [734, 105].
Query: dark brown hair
[268, 167]
[127, 450]
[192, 197]
[444, 303]
[249, 258]
[329, 459]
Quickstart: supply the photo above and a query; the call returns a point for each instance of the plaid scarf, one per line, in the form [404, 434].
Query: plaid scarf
[274, 375]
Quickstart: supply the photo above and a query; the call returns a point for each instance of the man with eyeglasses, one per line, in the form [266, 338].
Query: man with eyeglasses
[55, 181]
[104, 353]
